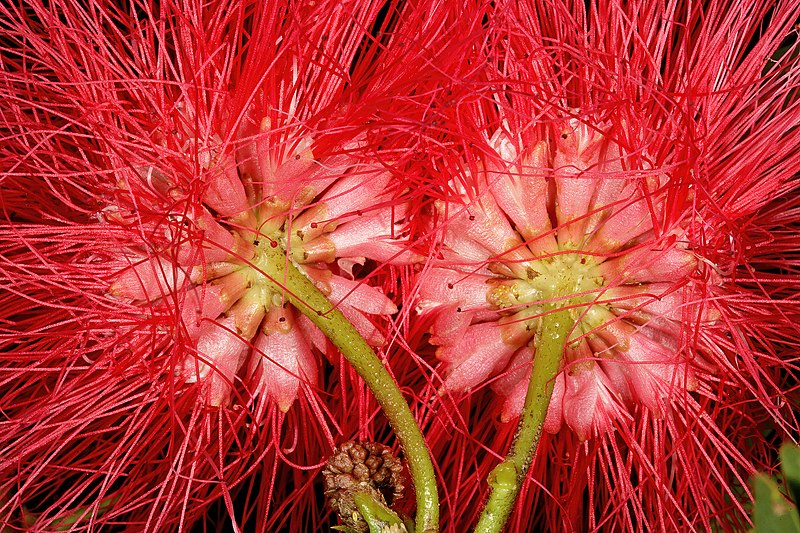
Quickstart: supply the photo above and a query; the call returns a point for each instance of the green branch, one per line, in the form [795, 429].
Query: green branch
[301, 292]
[506, 478]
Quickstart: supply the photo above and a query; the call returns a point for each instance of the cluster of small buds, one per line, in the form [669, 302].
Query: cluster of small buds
[361, 467]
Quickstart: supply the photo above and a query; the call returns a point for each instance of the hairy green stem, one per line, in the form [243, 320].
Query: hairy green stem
[506, 479]
[301, 292]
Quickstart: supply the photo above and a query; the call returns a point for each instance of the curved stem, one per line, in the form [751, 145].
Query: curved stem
[301, 292]
[506, 478]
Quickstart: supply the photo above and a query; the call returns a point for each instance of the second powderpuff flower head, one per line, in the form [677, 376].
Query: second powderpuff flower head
[627, 283]
[631, 156]
[153, 161]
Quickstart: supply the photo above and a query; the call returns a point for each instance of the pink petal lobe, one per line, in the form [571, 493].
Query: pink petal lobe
[576, 155]
[624, 223]
[660, 300]
[364, 325]
[201, 304]
[347, 196]
[373, 237]
[313, 334]
[149, 279]
[554, 419]
[649, 265]
[281, 362]
[588, 407]
[217, 241]
[513, 383]
[224, 192]
[481, 351]
[220, 354]
[441, 286]
[520, 191]
[361, 296]
[449, 325]
[648, 372]
[484, 223]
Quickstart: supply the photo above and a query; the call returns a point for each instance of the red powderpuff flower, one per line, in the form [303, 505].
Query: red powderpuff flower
[152, 156]
[629, 285]
[264, 195]
[633, 174]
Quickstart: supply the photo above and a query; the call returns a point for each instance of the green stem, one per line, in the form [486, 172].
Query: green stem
[301, 292]
[378, 517]
[506, 479]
